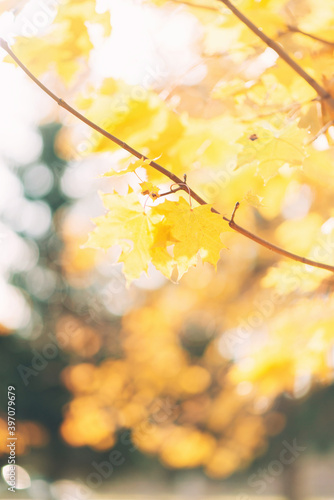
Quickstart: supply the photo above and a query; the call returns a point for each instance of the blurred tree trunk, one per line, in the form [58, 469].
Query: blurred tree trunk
[291, 485]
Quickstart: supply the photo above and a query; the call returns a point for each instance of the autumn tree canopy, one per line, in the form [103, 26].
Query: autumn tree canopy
[240, 319]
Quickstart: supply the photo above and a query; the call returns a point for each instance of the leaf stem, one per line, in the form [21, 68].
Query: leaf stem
[182, 185]
[321, 91]
[172, 191]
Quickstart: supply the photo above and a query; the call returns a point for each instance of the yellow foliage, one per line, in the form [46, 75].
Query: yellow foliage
[196, 231]
[187, 447]
[193, 231]
[87, 424]
[222, 463]
[201, 364]
[194, 379]
[268, 149]
[127, 225]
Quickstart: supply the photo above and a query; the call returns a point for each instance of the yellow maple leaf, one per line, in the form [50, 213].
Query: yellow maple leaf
[126, 224]
[146, 237]
[66, 41]
[130, 169]
[131, 166]
[253, 199]
[161, 252]
[197, 230]
[122, 114]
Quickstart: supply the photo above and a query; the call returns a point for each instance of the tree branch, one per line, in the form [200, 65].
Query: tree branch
[321, 91]
[277, 249]
[181, 183]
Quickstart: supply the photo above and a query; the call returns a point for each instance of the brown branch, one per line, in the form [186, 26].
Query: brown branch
[321, 91]
[277, 249]
[181, 183]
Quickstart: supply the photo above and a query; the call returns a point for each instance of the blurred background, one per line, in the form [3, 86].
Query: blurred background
[126, 392]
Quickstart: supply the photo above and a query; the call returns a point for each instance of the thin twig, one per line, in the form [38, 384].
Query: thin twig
[163, 170]
[323, 130]
[294, 29]
[321, 91]
[172, 191]
[196, 6]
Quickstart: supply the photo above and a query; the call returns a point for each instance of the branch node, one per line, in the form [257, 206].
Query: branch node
[233, 213]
